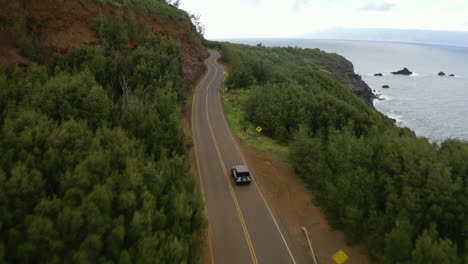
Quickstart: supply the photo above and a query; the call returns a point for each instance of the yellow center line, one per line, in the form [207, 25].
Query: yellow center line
[210, 246]
[231, 190]
[256, 185]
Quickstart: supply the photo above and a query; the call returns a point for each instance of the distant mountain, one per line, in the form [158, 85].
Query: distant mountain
[457, 38]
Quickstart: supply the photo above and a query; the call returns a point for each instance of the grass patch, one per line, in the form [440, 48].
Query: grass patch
[116, 4]
[233, 101]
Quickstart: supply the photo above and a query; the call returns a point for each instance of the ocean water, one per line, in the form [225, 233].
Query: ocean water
[434, 107]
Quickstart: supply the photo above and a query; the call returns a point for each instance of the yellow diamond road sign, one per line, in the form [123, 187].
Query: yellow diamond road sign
[340, 257]
[259, 129]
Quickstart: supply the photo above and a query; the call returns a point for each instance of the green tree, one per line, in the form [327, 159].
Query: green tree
[430, 248]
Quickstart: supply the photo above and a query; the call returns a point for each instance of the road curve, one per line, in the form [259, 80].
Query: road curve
[242, 226]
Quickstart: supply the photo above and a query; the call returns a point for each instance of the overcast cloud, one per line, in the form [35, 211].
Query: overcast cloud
[288, 18]
[378, 6]
[299, 3]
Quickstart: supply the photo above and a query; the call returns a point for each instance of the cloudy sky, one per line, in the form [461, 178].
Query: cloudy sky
[288, 18]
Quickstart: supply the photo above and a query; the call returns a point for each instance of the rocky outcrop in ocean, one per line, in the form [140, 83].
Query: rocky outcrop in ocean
[405, 71]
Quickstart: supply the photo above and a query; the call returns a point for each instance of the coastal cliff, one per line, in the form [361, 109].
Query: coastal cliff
[343, 71]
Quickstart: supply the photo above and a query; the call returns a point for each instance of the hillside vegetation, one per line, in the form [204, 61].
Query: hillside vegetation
[152, 7]
[284, 63]
[402, 196]
[93, 156]
[39, 28]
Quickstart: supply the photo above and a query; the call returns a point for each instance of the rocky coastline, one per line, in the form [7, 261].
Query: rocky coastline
[343, 71]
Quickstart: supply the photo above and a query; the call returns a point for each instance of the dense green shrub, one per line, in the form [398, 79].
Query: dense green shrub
[119, 31]
[93, 166]
[27, 44]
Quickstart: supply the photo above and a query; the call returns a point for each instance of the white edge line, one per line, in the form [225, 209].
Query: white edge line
[253, 178]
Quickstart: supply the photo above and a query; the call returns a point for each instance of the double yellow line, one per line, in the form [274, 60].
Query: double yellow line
[210, 246]
[256, 185]
[258, 188]
[225, 172]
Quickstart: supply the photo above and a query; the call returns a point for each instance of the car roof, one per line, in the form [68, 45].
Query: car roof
[241, 168]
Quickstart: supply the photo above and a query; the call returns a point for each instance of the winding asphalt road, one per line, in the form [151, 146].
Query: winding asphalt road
[242, 226]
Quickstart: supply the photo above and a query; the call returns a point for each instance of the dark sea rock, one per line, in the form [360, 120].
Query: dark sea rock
[385, 86]
[405, 71]
[379, 97]
[452, 75]
[441, 74]
[378, 74]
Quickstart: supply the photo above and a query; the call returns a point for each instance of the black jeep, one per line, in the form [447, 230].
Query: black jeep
[241, 174]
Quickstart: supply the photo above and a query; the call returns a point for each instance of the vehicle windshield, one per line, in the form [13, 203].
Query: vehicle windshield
[243, 174]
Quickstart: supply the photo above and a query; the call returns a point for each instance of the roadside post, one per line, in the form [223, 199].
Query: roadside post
[310, 244]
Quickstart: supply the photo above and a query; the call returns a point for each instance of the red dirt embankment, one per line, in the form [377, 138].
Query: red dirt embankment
[66, 24]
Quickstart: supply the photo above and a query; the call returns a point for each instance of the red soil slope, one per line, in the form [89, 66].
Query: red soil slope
[66, 24]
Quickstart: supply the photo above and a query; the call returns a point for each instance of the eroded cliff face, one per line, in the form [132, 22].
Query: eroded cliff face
[66, 24]
[343, 71]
